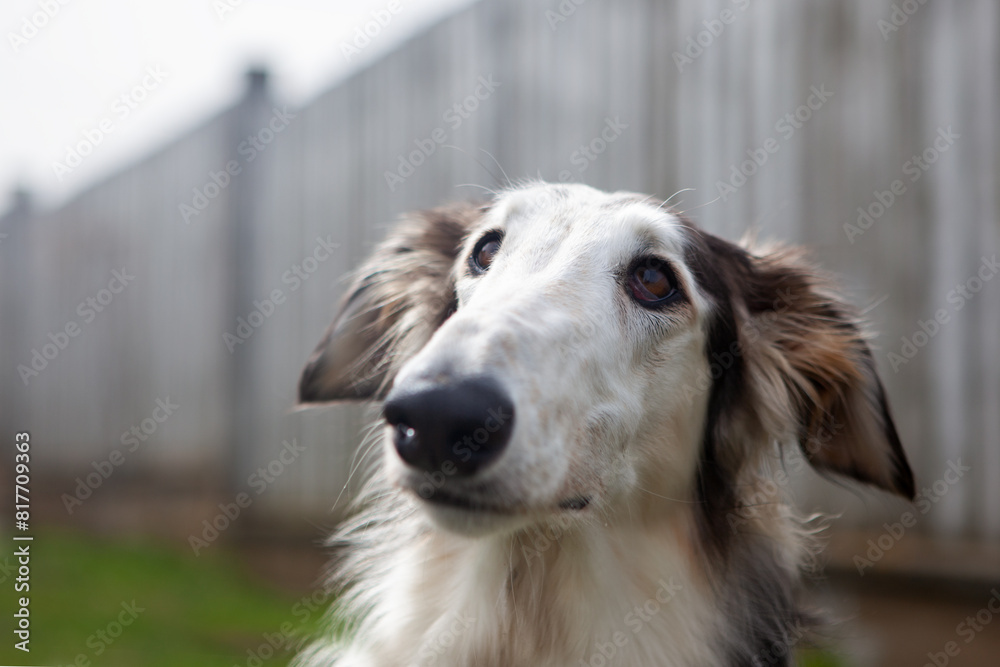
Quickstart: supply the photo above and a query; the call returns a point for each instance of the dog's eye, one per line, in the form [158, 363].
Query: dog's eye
[651, 281]
[484, 251]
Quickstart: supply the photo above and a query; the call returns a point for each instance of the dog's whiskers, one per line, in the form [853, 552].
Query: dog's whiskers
[676, 500]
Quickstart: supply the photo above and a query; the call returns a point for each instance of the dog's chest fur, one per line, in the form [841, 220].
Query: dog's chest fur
[647, 370]
[556, 596]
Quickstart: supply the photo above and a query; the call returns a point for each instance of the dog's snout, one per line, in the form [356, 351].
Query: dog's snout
[456, 428]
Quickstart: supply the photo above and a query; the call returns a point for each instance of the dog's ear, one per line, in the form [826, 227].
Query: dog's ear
[401, 295]
[790, 361]
[807, 350]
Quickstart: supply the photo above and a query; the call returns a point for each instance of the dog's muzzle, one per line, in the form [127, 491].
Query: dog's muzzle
[458, 428]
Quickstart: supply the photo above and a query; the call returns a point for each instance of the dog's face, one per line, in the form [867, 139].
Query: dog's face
[577, 308]
[564, 350]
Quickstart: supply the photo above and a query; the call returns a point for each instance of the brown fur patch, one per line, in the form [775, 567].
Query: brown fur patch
[814, 341]
[401, 295]
[789, 362]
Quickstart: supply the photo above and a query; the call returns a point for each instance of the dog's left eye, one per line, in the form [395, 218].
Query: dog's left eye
[652, 282]
[484, 251]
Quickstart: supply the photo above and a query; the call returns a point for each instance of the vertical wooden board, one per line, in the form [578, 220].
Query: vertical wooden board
[574, 52]
[626, 156]
[189, 309]
[276, 213]
[594, 97]
[689, 146]
[951, 264]
[461, 153]
[17, 275]
[548, 71]
[498, 27]
[700, 129]
[336, 434]
[857, 132]
[730, 123]
[321, 149]
[469, 166]
[492, 27]
[986, 19]
[327, 177]
[330, 435]
[538, 86]
[978, 158]
[687, 128]
[817, 30]
[522, 122]
[428, 70]
[770, 68]
[389, 109]
[894, 71]
[663, 82]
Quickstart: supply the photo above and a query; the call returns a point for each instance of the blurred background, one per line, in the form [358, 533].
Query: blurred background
[185, 186]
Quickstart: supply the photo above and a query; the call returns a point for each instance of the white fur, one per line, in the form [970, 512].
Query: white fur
[604, 410]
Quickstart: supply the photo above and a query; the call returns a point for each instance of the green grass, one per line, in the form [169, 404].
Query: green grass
[195, 611]
[817, 658]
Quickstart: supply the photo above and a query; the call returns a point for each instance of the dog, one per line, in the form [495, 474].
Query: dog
[585, 398]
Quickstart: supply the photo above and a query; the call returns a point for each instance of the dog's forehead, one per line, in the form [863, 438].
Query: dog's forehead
[568, 212]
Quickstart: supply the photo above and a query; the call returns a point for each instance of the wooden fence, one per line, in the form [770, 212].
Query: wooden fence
[867, 130]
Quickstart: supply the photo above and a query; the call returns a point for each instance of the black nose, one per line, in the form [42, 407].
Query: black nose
[463, 426]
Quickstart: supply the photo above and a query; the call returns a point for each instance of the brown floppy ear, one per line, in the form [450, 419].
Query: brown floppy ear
[808, 365]
[401, 295]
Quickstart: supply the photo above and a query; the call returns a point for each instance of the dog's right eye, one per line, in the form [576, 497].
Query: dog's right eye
[652, 282]
[484, 251]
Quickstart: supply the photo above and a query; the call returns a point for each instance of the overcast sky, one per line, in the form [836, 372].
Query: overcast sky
[65, 66]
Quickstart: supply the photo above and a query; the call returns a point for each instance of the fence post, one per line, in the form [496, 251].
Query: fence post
[16, 294]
